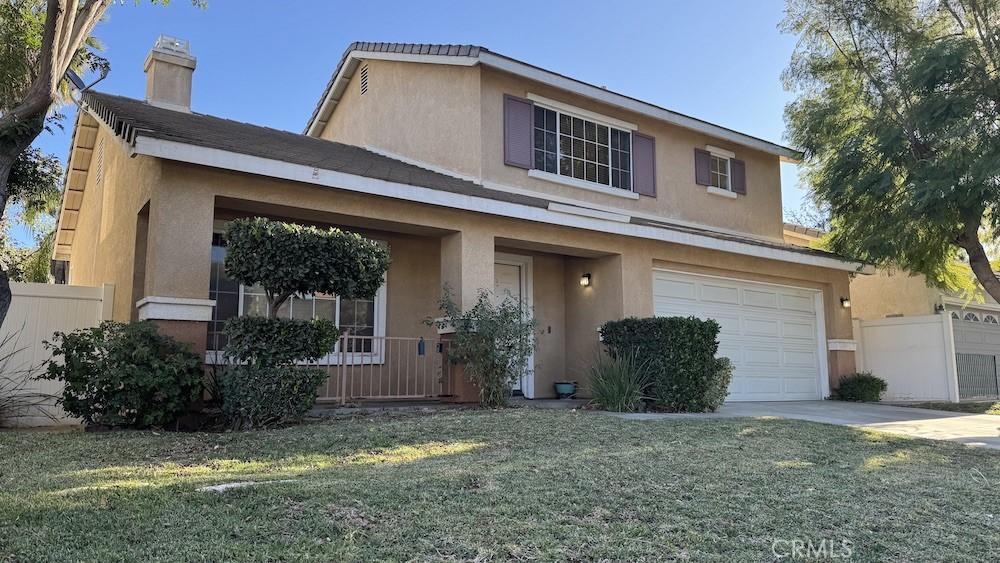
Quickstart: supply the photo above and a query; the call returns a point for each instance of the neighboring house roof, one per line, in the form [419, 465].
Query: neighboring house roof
[470, 55]
[242, 147]
[803, 230]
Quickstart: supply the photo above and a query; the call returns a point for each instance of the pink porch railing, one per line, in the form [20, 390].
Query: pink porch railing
[366, 368]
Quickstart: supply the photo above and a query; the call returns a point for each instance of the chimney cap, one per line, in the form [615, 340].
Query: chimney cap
[173, 45]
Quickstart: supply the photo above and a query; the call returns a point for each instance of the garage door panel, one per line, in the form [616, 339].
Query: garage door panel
[757, 298]
[677, 289]
[770, 333]
[761, 327]
[798, 330]
[795, 302]
[720, 294]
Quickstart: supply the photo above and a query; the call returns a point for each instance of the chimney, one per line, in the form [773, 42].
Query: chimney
[169, 67]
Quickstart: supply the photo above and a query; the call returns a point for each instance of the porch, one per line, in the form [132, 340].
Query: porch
[388, 352]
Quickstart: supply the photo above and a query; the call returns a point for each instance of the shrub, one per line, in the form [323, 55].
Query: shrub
[124, 374]
[860, 387]
[680, 355]
[257, 396]
[279, 341]
[619, 383]
[493, 340]
[286, 259]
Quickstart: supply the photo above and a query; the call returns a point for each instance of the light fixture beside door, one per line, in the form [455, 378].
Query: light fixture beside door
[585, 280]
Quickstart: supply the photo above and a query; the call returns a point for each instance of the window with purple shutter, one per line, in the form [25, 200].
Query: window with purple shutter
[517, 132]
[643, 164]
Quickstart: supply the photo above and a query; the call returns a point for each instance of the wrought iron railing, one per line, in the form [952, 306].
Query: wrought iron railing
[386, 368]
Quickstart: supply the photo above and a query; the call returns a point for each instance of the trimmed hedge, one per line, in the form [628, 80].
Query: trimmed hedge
[277, 341]
[861, 387]
[680, 355]
[258, 396]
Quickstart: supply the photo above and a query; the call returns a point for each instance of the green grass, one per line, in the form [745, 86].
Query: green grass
[516, 484]
[972, 407]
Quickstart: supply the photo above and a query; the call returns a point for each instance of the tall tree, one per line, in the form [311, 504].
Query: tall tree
[39, 41]
[898, 115]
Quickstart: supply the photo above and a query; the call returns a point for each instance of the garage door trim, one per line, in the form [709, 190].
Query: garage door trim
[821, 342]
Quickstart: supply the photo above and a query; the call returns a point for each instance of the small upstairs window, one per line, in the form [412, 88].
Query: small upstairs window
[719, 167]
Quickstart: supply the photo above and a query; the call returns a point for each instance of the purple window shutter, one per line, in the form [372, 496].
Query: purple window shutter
[644, 164]
[518, 118]
[702, 167]
[738, 176]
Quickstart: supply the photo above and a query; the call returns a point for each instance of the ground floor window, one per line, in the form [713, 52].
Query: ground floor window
[356, 317]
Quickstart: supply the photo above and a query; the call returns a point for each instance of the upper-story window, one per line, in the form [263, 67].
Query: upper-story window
[583, 149]
[719, 167]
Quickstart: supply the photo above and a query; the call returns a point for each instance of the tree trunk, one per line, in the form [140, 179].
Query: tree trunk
[14, 139]
[978, 260]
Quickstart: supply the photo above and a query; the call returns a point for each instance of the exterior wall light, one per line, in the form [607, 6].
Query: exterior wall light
[585, 280]
[845, 302]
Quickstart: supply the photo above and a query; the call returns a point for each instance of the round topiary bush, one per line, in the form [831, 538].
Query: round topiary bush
[127, 375]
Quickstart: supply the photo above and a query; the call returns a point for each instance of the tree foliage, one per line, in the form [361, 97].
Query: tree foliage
[288, 259]
[898, 115]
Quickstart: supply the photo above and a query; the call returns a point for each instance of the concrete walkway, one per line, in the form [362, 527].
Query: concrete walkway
[972, 429]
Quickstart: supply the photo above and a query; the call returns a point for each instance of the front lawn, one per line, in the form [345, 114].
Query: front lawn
[516, 484]
[974, 407]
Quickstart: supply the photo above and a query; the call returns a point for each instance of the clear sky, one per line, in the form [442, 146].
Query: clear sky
[267, 62]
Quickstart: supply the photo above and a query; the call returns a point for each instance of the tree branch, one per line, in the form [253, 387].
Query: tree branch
[978, 260]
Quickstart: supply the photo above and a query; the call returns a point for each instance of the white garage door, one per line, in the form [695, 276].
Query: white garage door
[770, 332]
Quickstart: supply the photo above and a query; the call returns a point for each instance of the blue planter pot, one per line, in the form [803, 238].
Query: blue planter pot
[565, 389]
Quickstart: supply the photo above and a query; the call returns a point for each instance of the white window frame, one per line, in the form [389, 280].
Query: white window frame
[727, 157]
[375, 357]
[597, 119]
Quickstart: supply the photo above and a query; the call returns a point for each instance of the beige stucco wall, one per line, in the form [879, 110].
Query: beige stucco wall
[104, 242]
[426, 112]
[886, 293]
[451, 117]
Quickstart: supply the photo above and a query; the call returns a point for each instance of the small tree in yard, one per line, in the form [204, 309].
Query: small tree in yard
[494, 340]
[264, 386]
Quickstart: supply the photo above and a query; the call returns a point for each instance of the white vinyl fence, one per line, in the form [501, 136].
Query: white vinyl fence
[36, 312]
[914, 355]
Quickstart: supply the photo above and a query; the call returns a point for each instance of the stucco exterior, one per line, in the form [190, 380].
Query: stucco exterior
[451, 117]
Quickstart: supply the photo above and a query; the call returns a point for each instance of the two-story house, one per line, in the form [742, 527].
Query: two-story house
[477, 171]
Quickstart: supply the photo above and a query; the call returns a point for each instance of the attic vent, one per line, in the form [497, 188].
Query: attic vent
[364, 79]
[99, 166]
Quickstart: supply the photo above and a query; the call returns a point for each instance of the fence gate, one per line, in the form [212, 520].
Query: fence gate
[977, 376]
[977, 347]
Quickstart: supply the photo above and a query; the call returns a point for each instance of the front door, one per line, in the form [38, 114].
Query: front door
[510, 277]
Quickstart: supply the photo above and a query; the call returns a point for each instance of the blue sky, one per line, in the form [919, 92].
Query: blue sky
[266, 62]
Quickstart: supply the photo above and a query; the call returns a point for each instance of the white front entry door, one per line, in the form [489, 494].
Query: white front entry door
[773, 334]
[512, 277]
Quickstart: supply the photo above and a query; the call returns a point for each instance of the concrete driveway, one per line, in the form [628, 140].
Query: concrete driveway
[972, 429]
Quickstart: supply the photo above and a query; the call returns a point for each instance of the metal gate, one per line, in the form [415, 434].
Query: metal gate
[977, 376]
[977, 347]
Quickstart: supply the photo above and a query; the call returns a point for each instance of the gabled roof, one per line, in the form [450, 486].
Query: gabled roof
[245, 148]
[470, 55]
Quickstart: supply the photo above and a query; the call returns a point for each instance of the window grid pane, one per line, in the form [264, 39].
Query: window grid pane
[545, 132]
[719, 169]
[583, 149]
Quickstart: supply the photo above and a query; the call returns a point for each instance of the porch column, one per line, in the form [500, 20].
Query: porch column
[467, 264]
[178, 263]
